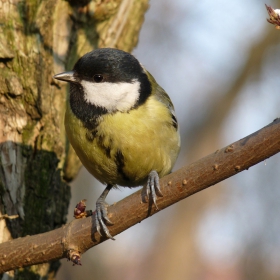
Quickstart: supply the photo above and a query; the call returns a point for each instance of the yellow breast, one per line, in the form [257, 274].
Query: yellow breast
[126, 146]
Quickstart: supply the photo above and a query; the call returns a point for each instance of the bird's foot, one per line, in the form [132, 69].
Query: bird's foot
[153, 187]
[101, 214]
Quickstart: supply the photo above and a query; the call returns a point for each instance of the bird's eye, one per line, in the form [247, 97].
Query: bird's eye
[98, 78]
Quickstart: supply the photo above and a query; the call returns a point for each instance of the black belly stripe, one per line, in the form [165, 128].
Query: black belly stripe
[106, 149]
[120, 165]
[90, 135]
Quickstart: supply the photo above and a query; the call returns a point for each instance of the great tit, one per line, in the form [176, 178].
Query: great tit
[121, 124]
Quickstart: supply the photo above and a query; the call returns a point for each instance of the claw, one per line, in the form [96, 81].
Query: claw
[147, 188]
[153, 186]
[101, 214]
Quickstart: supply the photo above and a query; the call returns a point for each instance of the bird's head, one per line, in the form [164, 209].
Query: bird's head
[110, 79]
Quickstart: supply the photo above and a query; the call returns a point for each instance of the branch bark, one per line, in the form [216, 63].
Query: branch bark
[80, 235]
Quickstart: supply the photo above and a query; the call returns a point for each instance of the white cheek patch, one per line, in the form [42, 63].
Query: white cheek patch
[112, 96]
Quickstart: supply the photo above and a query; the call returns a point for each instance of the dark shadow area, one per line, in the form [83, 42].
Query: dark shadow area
[32, 187]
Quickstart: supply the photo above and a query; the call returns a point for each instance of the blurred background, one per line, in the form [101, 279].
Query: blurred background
[219, 61]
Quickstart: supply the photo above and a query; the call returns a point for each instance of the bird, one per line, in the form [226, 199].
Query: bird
[121, 124]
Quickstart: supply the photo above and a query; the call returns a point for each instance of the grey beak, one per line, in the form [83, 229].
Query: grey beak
[66, 77]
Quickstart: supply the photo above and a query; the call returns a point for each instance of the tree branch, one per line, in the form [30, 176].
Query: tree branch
[80, 235]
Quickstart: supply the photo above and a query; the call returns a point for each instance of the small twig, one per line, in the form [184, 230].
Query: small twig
[274, 16]
[80, 210]
[74, 256]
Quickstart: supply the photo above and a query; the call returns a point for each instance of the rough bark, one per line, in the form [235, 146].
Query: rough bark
[80, 235]
[37, 40]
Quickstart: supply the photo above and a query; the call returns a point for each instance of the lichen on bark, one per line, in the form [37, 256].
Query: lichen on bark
[37, 40]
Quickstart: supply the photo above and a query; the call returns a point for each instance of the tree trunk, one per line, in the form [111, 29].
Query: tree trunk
[37, 40]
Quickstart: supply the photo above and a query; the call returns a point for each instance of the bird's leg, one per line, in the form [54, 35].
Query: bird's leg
[101, 213]
[153, 186]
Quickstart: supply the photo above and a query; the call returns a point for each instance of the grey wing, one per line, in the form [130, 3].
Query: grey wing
[163, 97]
